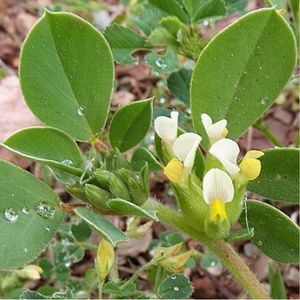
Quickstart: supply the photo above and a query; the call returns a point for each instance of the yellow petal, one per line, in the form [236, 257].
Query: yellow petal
[250, 168]
[253, 154]
[105, 259]
[176, 263]
[174, 170]
[225, 132]
[217, 210]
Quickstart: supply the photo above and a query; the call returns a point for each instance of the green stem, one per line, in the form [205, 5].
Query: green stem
[100, 288]
[139, 271]
[231, 260]
[268, 133]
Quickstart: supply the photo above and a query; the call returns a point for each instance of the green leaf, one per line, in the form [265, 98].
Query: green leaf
[274, 233]
[123, 42]
[163, 64]
[277, 284]
[28, 294]
[162, 37]
[176, 286]
[29, 216]
[81, 231]
[130, 124]
[179, 84]
[204, 9]
[131, 209]
[142, 156]
[148, 19]
[235, 77]
[236, 6]
[46, 144]
[67, 74]
[172, 25]
[172, 7]
[279, 177]
[109, 231]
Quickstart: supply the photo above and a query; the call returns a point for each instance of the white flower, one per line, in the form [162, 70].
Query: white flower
[226, 151]
[166, 128]
[217, 190]
[217, 184]
[215, 131]
[184, 149]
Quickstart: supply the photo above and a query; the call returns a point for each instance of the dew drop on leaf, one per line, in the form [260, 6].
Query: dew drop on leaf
[67, 162]
[264, 100]
[45, 210]
[160, 62]
[25, 210]
[11, 215]
[176, 288]
[81, 110]
[47, 228]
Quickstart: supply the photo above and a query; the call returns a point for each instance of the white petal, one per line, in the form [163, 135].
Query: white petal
[215, 131]
[206, 120]
[185, 147]
[166, 128]
[226, 151]
[217, 185]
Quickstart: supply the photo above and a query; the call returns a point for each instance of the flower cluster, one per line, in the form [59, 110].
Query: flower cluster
[222, 168]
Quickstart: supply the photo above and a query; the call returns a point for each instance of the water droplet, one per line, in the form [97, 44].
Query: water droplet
[205, 22]
[81, 110]
[11, 215]
[259, 243]
[231, 54]
[264, 100]
[45, 210]
[162, 100]
[47, 228]
[260, 67]
[67, 162]
[173, 277]
[25, 250]
[176, 288]
[160, 62]
[25, 210]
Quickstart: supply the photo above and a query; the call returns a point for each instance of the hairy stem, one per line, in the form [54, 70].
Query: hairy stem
[230, 258]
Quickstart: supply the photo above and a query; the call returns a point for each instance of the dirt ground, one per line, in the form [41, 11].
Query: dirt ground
[137, 82]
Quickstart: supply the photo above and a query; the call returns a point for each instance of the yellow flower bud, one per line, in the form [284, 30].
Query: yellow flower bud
[165, 252]
[250, 166]
[31, 272]
[174, 170]
[105, 259]
[176, 263]
[217, 211]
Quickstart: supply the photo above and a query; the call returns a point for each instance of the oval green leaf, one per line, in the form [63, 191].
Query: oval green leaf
[274, 233]
[279, 177]
[130, 124]
[48, 145]
[109, 231]
[67, 73]
[236, 78]
[175, 286]
[29, 216]
[131, 209]
[142, 156]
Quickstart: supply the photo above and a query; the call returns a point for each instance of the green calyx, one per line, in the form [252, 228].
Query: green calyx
[190, 200]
